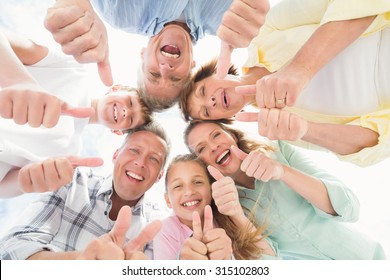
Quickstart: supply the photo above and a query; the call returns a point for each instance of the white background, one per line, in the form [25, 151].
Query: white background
[371, 184]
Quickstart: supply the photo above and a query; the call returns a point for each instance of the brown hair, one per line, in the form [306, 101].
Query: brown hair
[244, 240]
[205, 71]
[243, 142]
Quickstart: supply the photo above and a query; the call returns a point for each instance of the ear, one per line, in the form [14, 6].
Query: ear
[142, 53]
[117, 131]
[193, 64]
[160, 176]
[115, 155]
[168, 202]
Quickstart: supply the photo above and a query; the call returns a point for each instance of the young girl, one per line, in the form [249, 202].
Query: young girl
[189, 193]
[301, 205]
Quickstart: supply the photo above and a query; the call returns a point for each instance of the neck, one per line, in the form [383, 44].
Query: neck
[181, 24]
[244, 180]
[254, 74]
[118, 203]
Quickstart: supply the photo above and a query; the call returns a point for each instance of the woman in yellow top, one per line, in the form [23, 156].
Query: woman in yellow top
[345, 91]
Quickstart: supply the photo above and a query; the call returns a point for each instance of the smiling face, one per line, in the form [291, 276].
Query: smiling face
[214, 99]
[138, 165]
[188, 190]
[120, 110]
[167, 61]
[212, 144]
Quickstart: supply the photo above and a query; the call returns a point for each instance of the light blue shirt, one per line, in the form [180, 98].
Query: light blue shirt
[148, 17]
[301, 230]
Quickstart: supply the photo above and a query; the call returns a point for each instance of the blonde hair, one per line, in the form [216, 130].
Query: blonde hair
[244, 240]
[145, 109]
[244, 143]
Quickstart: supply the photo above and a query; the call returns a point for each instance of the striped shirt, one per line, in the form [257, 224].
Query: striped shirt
[148, 17]
[68, 219]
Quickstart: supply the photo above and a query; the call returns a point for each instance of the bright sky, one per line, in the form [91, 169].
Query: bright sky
[371, 184]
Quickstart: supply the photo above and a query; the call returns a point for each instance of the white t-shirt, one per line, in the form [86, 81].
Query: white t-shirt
[20, 144]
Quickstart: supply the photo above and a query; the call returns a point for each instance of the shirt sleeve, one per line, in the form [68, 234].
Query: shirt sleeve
[35, 228]
[343, 200]
[378, 121]
[290, 23]
[166, 244]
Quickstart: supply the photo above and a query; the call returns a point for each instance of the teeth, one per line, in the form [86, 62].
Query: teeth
[190, 203]
[134, 176]
[169, 55]
[115, 113]
[222, 155]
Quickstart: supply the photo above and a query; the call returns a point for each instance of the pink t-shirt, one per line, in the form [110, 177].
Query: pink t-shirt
[168, 242]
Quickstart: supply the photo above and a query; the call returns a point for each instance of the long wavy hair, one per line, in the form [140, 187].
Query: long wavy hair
[244, 240]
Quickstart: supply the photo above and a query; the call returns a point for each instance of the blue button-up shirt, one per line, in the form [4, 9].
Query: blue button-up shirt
[148, 17]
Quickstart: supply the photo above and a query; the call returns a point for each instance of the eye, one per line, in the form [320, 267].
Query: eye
[206, 112]
[200, 150]
[155, 160]
[216, 134]
[155, 74]
[133, 151]
[198, 182]
[131, 103]
[177, 186]
[175, 79]
[202, 91]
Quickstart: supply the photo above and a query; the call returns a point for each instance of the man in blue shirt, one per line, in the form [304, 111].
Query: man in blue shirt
[173, 26]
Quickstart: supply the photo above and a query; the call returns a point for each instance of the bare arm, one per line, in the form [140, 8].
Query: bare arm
[341, 139]
[12, 70]
[328, 41]
[26, 50]
[48, 255]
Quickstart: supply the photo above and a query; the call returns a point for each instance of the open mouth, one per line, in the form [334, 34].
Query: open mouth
[115, 113]
[134, 176]
[170, 51]
[225, 100]
[190, 203]
[222, 158]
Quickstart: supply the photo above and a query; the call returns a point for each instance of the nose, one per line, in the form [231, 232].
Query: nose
[188, 191]
[212, 102]
[214, 146]
[124, 112]
[166, 68]
[140, 161]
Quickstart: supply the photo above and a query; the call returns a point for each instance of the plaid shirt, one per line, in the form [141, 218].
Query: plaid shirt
[68, 219]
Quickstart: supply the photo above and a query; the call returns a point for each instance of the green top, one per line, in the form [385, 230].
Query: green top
[301, 230]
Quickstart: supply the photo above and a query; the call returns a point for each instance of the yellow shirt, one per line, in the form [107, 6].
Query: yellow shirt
[377, 121]
[288, 26]
[290, 23]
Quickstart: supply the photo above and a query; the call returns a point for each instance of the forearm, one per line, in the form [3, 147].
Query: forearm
[310, 188]
[340, 139]
[26, 50]
[326, 42]
[9, 186]
[12, 71]
[48, 255]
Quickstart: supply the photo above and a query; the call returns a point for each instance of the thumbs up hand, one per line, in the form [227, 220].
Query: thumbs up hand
[257, 165]
[225, 194]
[52, 173]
